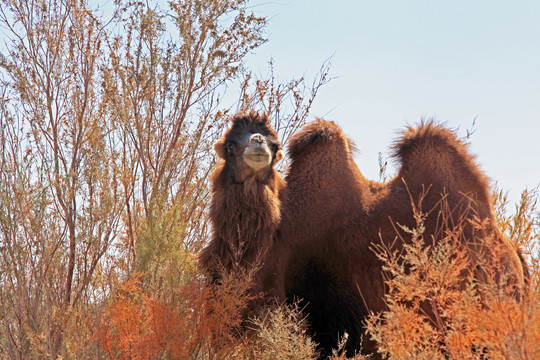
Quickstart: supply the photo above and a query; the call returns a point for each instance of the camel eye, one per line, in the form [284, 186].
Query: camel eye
[229, 148]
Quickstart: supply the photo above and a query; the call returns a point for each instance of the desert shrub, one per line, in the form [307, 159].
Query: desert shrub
[436, 310]
[204, 322]
[281, 334]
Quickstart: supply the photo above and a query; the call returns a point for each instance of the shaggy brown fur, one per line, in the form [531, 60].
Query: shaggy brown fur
[332, 216]
[245, 208]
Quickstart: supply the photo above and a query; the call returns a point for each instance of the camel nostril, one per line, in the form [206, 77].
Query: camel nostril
[257, 139]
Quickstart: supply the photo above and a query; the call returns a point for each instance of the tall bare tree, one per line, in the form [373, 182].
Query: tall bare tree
[59, 205]
[106, 132]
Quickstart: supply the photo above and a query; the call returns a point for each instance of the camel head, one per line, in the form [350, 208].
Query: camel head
[250, 147]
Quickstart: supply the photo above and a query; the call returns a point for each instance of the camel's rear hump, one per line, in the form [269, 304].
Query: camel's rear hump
[433, 157]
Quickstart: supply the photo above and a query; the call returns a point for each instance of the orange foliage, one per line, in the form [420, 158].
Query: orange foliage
[510, 330]
[437, 311]
[136, 325]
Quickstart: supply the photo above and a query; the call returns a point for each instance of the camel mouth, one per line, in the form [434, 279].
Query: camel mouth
[257, 159]
[257, 154]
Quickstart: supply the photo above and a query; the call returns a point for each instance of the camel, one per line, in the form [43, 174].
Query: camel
[245, 210]
[310, 236]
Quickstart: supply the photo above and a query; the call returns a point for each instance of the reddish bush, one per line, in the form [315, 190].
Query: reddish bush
[472, 318]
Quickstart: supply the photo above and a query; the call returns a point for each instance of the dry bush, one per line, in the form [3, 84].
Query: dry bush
[137, 325]
[340, 353]
[437, 310]
[522, 226]
[106, 128]
[281, 334]
[205, 322]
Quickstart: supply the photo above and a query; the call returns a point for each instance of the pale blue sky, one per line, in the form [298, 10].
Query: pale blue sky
[398, 61]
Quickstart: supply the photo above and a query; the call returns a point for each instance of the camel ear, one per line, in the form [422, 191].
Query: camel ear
[219, 147]
[279, 155]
